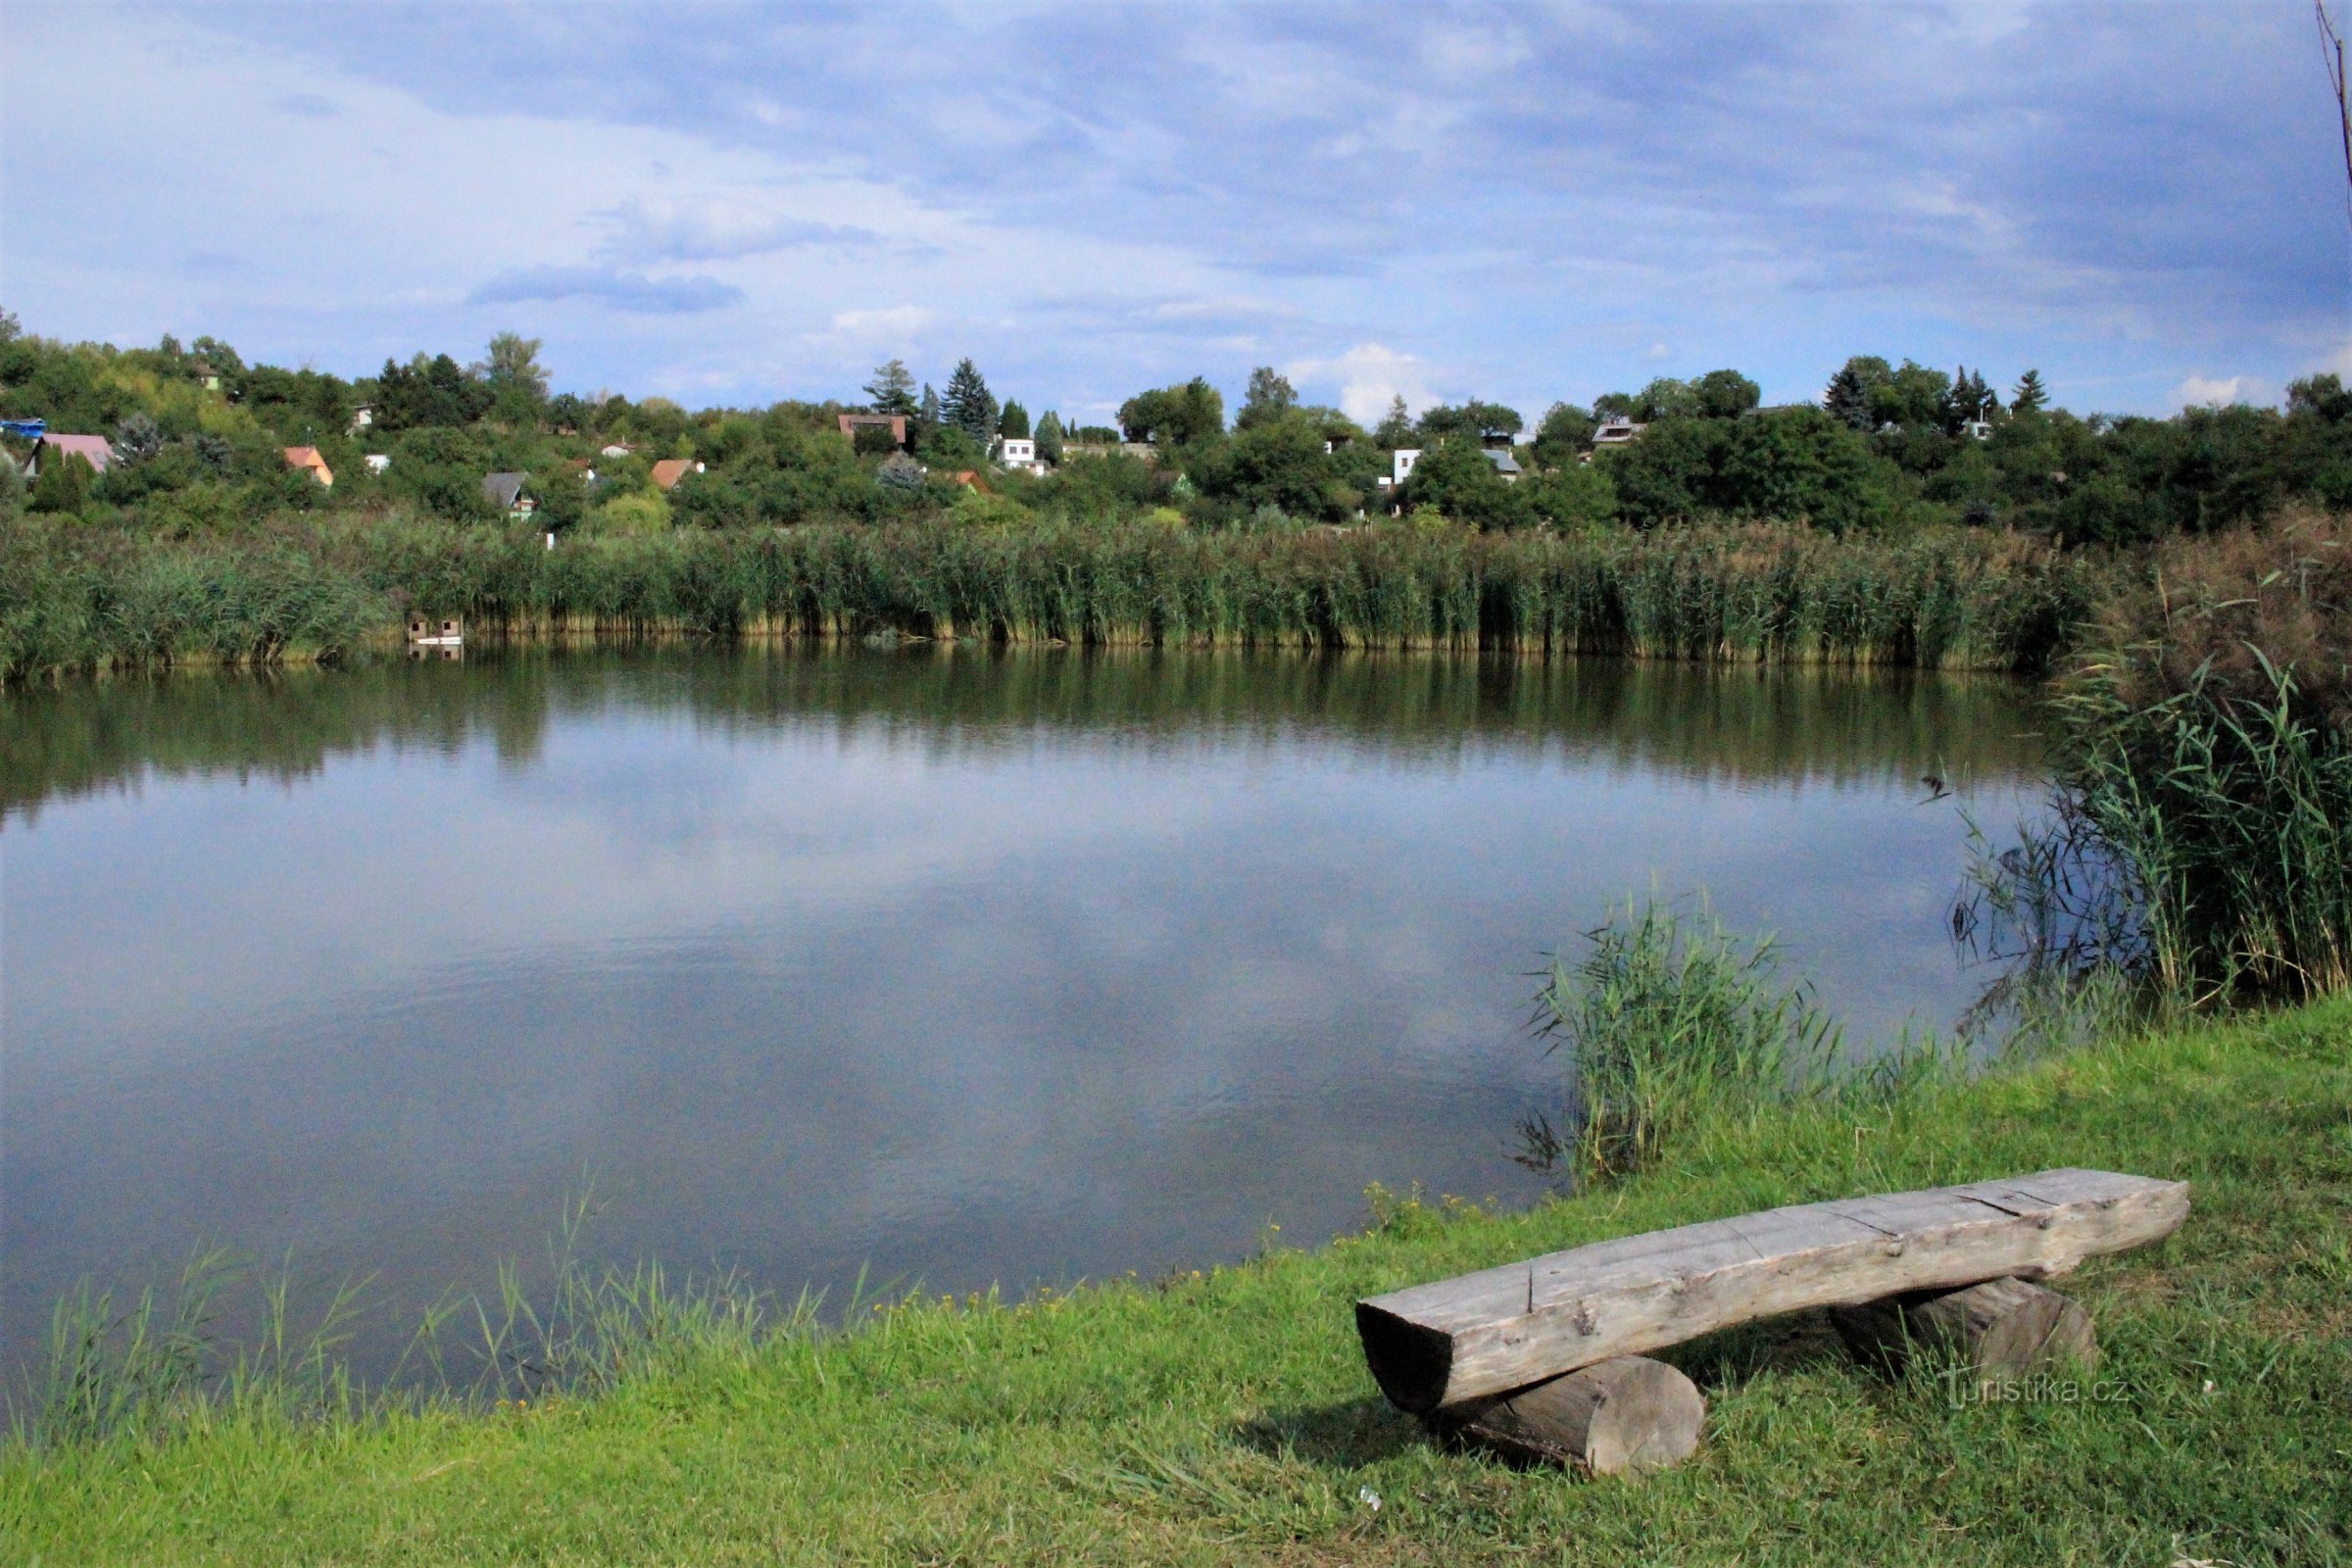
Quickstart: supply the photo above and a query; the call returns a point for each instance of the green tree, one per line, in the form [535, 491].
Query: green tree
[891, 390]
[1725, 394]
[62, 483]
[1013, 421]
[1576, 495]
[512, 367]
[968, 406]
[2029, 395]
[1666, 398]
[1564, 435]
[1174, 415]
[1395, 428]
[1847, 397]
[1271, 397]
[1460, 479]
[1475, 418]
[1048, 437]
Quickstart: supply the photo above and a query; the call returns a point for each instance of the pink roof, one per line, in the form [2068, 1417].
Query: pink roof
[93, 449]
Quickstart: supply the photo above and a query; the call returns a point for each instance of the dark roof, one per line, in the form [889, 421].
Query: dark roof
[502, 489]
[1503, 462]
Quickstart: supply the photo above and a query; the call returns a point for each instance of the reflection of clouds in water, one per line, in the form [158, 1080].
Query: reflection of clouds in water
[804, 997]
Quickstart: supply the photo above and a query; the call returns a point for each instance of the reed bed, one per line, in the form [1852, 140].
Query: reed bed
[78, 600]
[2201, 832]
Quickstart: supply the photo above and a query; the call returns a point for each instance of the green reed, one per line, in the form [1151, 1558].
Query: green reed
[83, 599]
[1669, 1020]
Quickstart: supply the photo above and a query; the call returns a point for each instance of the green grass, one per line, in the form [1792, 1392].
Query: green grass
[1228, 1416]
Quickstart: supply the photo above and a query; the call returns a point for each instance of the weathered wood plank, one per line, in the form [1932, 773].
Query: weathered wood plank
[1631, 1413]
[1504, 1328]
[2003, 1328]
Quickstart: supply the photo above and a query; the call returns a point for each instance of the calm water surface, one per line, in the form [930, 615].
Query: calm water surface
[966, 968]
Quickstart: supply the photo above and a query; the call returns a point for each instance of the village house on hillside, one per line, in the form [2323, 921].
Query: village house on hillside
[894, 423]
[308, 459]
[669, 471]
[505, 491]
[95, 450]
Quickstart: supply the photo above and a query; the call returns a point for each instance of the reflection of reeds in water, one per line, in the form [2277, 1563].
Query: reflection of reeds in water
[1740, 723]
[90, 599]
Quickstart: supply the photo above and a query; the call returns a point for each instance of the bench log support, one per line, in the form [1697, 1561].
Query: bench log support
[1630, 1414]
[2002, 1327]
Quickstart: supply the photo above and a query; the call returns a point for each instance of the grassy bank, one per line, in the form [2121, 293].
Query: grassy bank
[79, 597]
[1229, 1416]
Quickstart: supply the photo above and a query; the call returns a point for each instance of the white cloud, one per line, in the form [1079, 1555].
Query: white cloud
[1656, 352]
[2203, 392]
[1369, 375]
[896, 320]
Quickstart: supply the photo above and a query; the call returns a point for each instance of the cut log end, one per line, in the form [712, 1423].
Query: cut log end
[1626, 1416]
[1411, 1363]
[2002, 1327]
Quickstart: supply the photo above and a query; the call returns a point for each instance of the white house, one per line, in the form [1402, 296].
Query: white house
[361, 418]
[1403, 460]
[1977, 431]
[1616, 431]
[1020, 452]
[377, 462]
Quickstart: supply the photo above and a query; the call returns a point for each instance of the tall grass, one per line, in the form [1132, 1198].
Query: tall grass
[1668, 1019]
[73, 598]
[164, 1363]
[2200, 836]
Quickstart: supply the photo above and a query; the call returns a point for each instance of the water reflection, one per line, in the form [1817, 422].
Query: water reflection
[972, 965]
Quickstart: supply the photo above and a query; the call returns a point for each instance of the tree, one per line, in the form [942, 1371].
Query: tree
[1615, 406]
[1174, 415]
[1725, 394]
[891, 390]
[1271, 397]
[2029, 396]
[1048, 437]
[926, 414]
[1565, 432]
[1013, 421]
[1666, 398]
[1458, 478]
[1847, 399]
[1474, 418]
[1395, 429]
[62, 482]
[968, 405]
[137, 439]
[514, 366]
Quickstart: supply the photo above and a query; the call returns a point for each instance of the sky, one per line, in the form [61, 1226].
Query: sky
[735, 204]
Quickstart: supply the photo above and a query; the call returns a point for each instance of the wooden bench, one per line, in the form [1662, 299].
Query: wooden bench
[1501, 1356]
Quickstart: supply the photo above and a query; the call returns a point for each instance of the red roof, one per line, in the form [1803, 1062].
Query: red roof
[95, 450]
[669, 471]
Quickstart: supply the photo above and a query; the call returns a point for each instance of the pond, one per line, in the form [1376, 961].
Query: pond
[958, 966]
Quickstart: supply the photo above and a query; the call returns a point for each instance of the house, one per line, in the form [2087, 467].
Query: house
[308, 459]
[1403, 460]
[377, 462]
[1977, 430]
[505, 492]
[205, 375]
[1020, 452]
[971, 479]
[1616, 431]
[894, 423]
[95, 450]
[446, 631]
[1504, 464]
[669, 471]
[362, 417]
[615, 450]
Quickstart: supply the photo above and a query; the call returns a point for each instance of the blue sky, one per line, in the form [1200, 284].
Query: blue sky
[1525, 203]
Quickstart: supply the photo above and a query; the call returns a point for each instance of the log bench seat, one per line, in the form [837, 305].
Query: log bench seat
[1468, 1353]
